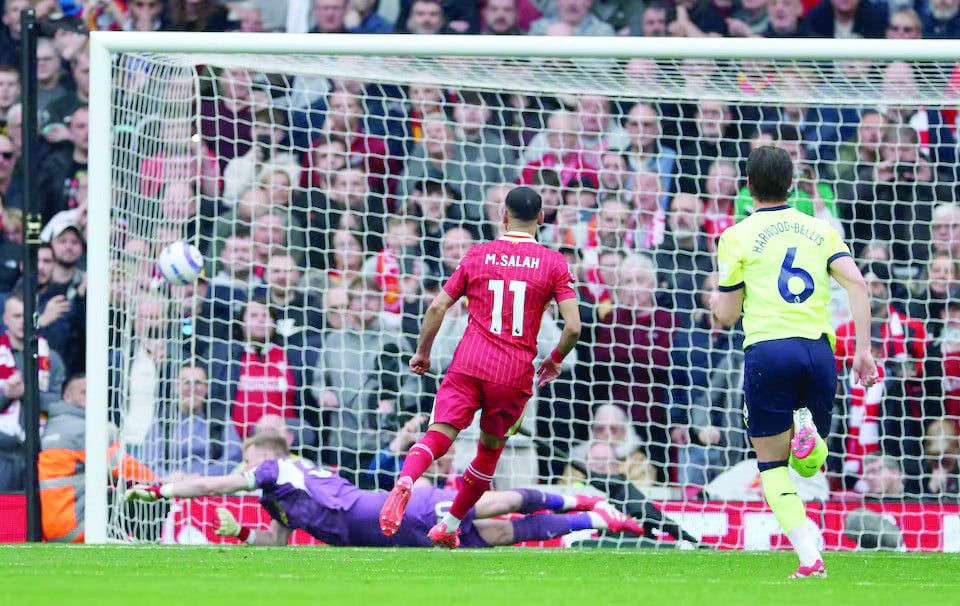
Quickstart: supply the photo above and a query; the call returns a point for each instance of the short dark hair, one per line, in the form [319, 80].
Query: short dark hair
[70, 381]
[770, 174]
[523, 203]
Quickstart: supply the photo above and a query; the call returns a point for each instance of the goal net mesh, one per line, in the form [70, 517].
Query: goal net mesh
[332, 197]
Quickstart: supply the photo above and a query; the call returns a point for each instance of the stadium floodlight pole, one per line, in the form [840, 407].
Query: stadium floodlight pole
[32, 224]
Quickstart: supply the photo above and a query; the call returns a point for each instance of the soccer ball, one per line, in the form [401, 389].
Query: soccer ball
[180, 263]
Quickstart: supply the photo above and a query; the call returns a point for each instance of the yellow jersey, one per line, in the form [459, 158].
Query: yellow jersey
[781, 259]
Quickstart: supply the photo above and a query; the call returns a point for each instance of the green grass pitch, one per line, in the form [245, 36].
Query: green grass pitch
[213, 576]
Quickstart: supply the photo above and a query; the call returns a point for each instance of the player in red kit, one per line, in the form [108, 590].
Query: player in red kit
[508, 284]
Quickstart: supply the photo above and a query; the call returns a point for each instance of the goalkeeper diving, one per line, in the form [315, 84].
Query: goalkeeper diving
[298, 495]
[775, 268]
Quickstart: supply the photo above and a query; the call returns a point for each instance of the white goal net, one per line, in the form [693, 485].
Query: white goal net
[333, 195]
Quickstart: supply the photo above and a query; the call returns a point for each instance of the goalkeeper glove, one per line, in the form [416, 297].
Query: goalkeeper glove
[148, 494]
[229, 527]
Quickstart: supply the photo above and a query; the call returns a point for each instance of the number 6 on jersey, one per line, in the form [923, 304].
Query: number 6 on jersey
[519, 290]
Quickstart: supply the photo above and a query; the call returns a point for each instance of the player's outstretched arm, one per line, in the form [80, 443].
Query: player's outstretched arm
[432, 319]
[550, 367]
[844, 269]
[189, 488]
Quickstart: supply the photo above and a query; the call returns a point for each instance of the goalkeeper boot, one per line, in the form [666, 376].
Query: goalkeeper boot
[391, 514]
[808, 450]
[817, 571]
[615, 520]
[439, 535]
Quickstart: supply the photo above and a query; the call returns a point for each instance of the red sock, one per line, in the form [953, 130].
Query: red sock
[432, 446]
[476, 480]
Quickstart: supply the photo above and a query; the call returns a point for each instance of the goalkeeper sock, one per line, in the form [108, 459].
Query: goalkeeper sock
[431, 447]
[782, 497]
[476, 480]
[533, 500]
[545, 526]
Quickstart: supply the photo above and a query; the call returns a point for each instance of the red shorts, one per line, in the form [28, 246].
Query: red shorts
[460, 396]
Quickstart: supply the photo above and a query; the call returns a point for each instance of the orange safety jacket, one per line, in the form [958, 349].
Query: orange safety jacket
[61, 468]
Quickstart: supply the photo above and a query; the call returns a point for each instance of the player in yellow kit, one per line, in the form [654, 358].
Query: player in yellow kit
[775, 268]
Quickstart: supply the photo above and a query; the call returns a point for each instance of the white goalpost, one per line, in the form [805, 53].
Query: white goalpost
[338, 178]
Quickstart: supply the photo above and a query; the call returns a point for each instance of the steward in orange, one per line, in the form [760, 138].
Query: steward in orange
[62, 461]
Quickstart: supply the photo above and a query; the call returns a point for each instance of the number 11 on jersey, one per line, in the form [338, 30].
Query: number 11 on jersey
[519, 290]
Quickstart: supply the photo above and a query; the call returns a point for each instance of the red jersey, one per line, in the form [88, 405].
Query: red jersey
[508, 284]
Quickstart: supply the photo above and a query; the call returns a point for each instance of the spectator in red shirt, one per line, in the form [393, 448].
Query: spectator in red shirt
[251, 375]
[632, 355]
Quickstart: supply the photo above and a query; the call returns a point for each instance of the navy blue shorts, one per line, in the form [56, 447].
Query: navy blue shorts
[782, 375]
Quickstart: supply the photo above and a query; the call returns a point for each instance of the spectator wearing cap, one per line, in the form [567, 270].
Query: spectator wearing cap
[60, 172]
[62, 293]
[941, 18]
[575, 14]
[848, 19]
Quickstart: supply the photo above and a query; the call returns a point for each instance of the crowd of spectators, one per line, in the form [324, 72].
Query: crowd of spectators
[330, 211]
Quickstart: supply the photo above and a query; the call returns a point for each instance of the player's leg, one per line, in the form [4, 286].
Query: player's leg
[808, 447]
[773, 375]
[476, 481]
[453, 409]
[530, 500]
[545, 526]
